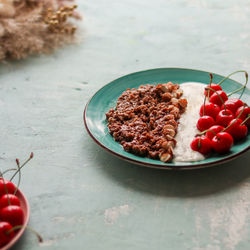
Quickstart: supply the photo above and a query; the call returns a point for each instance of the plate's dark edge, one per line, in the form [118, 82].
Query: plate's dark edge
[167, 167]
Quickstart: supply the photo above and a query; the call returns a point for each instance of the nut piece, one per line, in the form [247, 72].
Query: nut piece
[167, 131]
[175, 111]
[169, 87]
[175, 101]
[178, 93]
[183, 103]
[168, 118]
[168, 145]
[164, 87]
[165, 157]
[165, 145]
[166, 97]
[169, 137]
[169, 126]
[173, 123]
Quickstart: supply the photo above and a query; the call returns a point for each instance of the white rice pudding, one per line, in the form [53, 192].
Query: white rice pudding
[194, 93]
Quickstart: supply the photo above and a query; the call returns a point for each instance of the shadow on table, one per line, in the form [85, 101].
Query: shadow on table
[186, 183]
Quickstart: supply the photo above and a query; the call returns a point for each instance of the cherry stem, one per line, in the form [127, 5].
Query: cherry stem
[31, 156]
[220, 99]
[19, 175]
[245, 120]
[205, 131]
[40, 239]
[199, 143]
[211, 78]
[6, 189]
[235, 120]
[243, 87]
[8, 170]
[204, 103]
[238, 71]
[202, 133]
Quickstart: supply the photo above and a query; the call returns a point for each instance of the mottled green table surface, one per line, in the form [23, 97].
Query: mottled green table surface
[81, 197]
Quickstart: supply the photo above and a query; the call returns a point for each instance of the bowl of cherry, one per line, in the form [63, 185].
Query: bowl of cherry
[14, 209]
[16, 214]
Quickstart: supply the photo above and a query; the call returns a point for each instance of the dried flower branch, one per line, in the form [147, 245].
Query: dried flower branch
[35, 26]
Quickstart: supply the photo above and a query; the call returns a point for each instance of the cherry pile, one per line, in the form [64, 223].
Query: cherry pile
[223, 120]
[11, 212]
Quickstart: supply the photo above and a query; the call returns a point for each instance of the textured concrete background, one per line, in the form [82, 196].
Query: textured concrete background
[82, 197]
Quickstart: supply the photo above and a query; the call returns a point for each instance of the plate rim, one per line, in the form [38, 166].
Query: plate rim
[176, 166]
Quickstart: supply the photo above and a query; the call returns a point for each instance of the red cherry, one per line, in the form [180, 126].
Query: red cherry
[244, 114]
[213, 86]
[211, 109]
[224, 117]
[216, 128]
[13, 214]
[9, 185]
[237, 130]
[201, 144]
[216, 99]
[222, 142]
[205, 122]
[4, 237]
[232, 104]
[4, 200]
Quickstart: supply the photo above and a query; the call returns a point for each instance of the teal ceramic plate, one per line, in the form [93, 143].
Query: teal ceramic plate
[106, 97]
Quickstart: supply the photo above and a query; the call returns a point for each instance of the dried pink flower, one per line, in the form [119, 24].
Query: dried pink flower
[35, 26]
